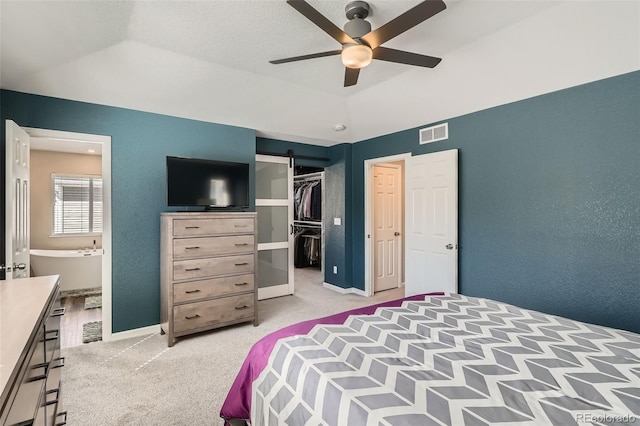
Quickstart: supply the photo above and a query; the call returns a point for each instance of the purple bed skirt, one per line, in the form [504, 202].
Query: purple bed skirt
[237, 405]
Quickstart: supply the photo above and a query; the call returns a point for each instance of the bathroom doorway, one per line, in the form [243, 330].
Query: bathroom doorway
[69, 170]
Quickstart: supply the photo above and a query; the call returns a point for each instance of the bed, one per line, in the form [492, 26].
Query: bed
[440, 360]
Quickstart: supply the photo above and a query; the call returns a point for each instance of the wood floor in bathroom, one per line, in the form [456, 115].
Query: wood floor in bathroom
[74, 317]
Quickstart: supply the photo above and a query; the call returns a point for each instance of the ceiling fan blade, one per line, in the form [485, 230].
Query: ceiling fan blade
[402, 23]
[351, 76]
[321, 21]
[303, 57]
[402, 57]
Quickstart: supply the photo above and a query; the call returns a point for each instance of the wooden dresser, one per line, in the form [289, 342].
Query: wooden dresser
[30, 361]
[208, 271]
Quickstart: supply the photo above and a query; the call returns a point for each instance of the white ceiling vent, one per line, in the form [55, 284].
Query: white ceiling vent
[434, 133]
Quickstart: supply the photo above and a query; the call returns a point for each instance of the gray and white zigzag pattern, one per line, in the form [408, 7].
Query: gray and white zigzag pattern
[452, 360]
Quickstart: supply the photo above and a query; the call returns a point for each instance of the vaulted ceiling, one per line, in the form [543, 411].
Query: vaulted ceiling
[208, 60]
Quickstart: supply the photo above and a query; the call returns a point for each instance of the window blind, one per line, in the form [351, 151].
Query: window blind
[77, 206]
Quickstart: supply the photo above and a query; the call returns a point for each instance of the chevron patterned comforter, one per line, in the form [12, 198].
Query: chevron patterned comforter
[452, 360]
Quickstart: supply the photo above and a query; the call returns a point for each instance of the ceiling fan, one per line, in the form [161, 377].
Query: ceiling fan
[360, 45]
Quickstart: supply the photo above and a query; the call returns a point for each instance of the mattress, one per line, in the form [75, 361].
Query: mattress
[448, 360]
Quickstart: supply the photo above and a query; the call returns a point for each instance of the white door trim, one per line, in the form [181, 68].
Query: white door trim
[368, 208]
[106, 212]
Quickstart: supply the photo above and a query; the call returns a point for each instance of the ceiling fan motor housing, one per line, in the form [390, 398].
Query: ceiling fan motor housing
[356, 12]
[357, 27]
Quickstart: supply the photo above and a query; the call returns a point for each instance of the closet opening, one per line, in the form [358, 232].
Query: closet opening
[308, 229]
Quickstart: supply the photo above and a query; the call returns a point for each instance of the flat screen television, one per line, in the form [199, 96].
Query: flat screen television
[211, 184]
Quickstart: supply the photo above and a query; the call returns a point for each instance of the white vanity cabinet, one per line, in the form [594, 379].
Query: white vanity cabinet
[30, 361]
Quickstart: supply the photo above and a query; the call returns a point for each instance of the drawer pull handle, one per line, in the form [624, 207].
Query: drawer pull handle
[193, 317]
[48, 338]
[192, 291]
[58, 312]
[241, 284]
[192, 248]
[240, 226]
[60, 362]
[242, 244]
[238, 308]
[192, 269]
[242, 264]
[45, 366]
[63, 422]
[191, 227]
[50, 392]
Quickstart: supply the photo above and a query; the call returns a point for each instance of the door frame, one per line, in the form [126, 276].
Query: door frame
[368, 216]
[105, 141]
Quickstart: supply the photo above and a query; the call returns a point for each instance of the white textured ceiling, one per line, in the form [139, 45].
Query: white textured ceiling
[208, 60]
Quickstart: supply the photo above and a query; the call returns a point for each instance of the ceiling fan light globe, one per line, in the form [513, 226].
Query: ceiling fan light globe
[356, 56]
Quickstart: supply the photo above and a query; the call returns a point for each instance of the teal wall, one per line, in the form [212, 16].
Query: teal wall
[549, 196]
[338, 205]
[139, 144]
[549, 201]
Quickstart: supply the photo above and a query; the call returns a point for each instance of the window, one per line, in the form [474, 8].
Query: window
[77, 205]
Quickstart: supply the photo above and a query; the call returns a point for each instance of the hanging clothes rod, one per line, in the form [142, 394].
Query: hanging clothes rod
[292, 156]
[313, 237]
[299, 179]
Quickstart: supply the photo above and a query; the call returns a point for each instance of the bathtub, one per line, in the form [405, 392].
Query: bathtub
[77, 269]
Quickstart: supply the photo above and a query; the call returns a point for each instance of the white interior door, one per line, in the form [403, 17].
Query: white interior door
[17, 215]
[387, 209]
[432, 223]
[274, 204]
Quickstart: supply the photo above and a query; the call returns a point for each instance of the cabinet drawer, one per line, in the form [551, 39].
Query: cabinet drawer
[190, 227]
[209, 267]
[28, 400]
[211, 312]
[211, 246]
[203, 289]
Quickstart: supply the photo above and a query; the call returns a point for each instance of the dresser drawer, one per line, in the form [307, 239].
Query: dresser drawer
[203, 289]
[27, 403]
[190, 227]
[209, 267]
[184, 248]
[208, 313]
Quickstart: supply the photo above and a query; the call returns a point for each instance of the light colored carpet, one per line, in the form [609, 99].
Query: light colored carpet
[92, 332]
[93, 302]
[141, 381]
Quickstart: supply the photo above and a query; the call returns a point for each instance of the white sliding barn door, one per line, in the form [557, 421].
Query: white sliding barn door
[432, 223]
[274, 204]
[17, 214]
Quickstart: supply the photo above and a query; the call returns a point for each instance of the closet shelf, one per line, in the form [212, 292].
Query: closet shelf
[307, 222]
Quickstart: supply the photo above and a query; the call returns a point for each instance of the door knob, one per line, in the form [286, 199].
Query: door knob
[396, 233]
[9, 268]
[449, 246]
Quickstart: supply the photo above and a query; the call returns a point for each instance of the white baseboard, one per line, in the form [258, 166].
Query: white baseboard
[136, 332]
[344, 290]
